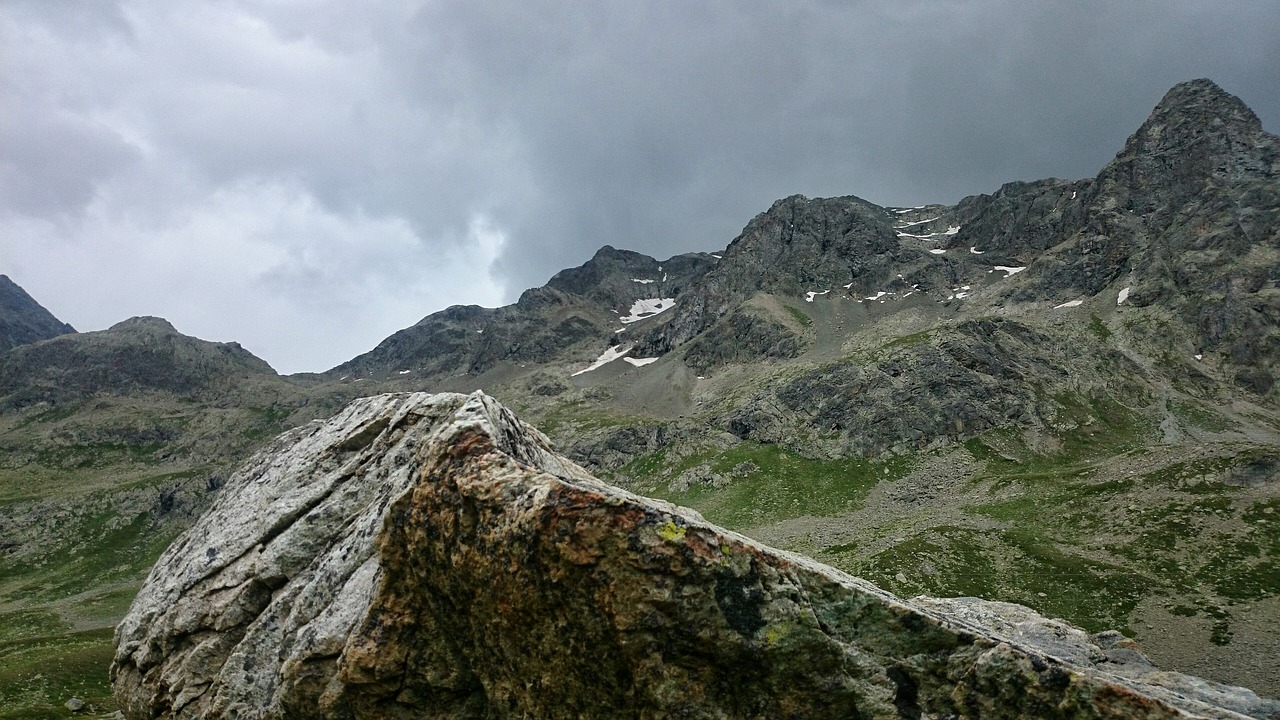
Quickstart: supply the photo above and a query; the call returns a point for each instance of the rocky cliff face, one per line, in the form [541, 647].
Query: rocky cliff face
[23, 320]
[431, 556]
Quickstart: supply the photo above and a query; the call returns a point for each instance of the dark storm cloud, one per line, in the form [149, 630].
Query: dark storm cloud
[666, 127]
[309, 177]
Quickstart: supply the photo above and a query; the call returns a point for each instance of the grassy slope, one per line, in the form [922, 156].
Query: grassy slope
[83, 519]
[1086, 532]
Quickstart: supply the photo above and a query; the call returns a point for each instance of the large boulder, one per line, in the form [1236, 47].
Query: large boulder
[431, 556]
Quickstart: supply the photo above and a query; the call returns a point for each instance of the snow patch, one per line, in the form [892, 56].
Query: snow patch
[1198, 357]
[976, 251]
[1069, 303]
[937, 251]
[718, 257]
[404, 372]
[642, 282]
[640, 362]
[918, 222]
[1009, 270]
[950, 231]
[1124, 295]
[647, 308]
[809, 296]
[605, 358]
[877, 296]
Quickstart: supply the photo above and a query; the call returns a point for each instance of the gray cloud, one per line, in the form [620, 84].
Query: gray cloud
[307, 178]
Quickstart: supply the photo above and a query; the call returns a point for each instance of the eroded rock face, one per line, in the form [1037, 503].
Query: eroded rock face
[431, 556]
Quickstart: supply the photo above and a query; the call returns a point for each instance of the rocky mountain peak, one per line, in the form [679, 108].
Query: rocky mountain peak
[608, 266]
[1197, 106]
[426, 555]
[145, 323]
[23, 320]
[1205, 125]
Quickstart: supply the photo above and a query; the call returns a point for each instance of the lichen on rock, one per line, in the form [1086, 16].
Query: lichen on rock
[432, 556]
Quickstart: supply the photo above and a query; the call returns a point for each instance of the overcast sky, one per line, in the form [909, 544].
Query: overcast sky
[308, 177]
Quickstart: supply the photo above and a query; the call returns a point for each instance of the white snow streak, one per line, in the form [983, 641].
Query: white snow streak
[1009, 270]
[605, 358]
[1124, 295]
[949, 231]
[640, 362]
[1069, 303]
[917, 222]
[879, 294]
[647, 308]
[937, 251]
[976, 251]
[642, 282]
[809, 296]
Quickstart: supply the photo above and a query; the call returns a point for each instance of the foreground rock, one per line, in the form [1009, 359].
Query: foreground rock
[431, 556]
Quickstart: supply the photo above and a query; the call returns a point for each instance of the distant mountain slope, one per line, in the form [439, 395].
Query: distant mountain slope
[134, 356]
[23, 320]
[577, 310]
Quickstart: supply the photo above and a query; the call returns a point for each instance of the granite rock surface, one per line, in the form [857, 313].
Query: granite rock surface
[425, 555]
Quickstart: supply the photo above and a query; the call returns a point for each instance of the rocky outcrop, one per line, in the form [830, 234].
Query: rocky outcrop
[23, 320]
[953, 383]
[743, 336]
[431, 556]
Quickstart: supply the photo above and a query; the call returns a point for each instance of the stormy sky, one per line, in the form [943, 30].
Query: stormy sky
[306, 177]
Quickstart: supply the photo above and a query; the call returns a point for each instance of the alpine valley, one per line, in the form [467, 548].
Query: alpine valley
[1062, 395]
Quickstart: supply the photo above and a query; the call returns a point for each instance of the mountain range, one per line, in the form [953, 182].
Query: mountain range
[1061, 394]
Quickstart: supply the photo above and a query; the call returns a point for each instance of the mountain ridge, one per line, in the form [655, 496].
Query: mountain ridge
[23, 320]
